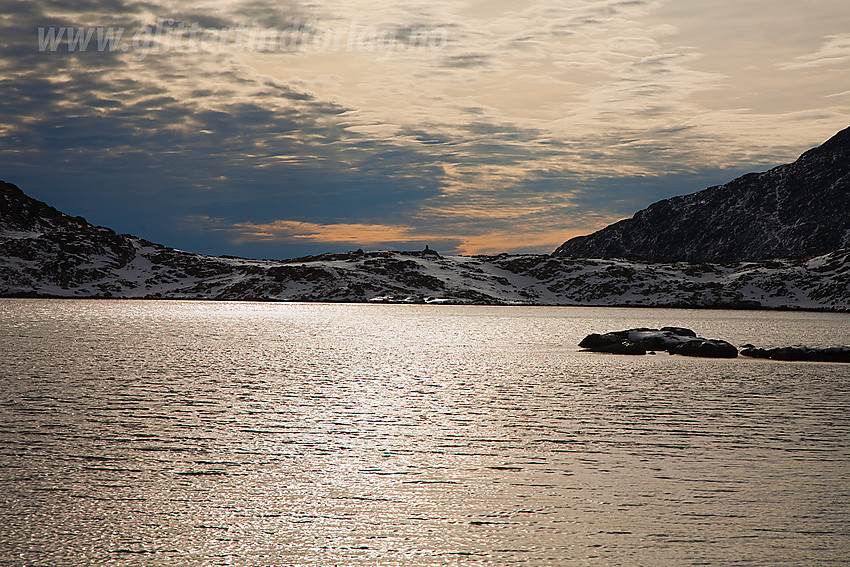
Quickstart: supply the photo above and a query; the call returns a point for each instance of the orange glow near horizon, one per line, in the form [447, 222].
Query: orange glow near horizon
[381, 235]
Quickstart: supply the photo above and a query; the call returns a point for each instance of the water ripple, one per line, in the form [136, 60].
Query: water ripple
[192, 433]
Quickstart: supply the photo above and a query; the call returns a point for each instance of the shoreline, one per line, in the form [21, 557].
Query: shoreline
[434, 302]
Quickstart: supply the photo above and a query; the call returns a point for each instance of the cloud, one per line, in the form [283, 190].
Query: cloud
[466, 61]
[834, 52]
[335, 235]
[284, 230]
[477, 123]
[350, 235]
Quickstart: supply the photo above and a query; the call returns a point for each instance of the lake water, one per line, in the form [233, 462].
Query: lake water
[203, 433]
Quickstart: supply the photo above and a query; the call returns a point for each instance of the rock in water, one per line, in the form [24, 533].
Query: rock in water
[681, 331]
[665, 339]
[832, 354]
[595, 341]
[801, 353]
[675, 340]
[708, 348]
[791, 353]
[754, 352]
[625, 346]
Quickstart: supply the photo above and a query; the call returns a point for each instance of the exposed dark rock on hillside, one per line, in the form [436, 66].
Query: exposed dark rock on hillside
[793, 210]
[45, 253]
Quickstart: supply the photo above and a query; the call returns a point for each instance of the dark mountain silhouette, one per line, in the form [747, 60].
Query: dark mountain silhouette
[46, 253]
[794, 210]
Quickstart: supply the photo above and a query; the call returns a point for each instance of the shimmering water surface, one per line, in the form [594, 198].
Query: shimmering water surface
[195, 433]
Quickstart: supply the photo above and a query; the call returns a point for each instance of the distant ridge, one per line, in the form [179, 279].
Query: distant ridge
[794, 210]
[46, 253]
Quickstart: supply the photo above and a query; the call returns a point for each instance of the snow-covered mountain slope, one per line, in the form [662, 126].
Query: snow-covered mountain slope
[46, 253]
[792, 210]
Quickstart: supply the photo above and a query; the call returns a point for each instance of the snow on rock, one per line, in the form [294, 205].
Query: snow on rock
[45, 253]
[793, 210]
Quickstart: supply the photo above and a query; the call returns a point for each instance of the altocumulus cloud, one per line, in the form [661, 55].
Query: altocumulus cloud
[334, 233]
[477, 127]
[149, 140]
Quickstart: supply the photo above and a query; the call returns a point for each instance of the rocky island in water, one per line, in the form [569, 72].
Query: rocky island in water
[685, 342]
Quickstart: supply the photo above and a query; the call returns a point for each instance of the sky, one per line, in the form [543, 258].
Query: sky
[276, 128]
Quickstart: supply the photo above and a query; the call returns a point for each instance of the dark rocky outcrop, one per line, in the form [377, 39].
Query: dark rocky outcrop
[597, 342]
[614, 343]
[794, 210]
[685, 342]
[624, 346]
[675, 340]
[800, 353]
[706, 348]
[679, 331]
